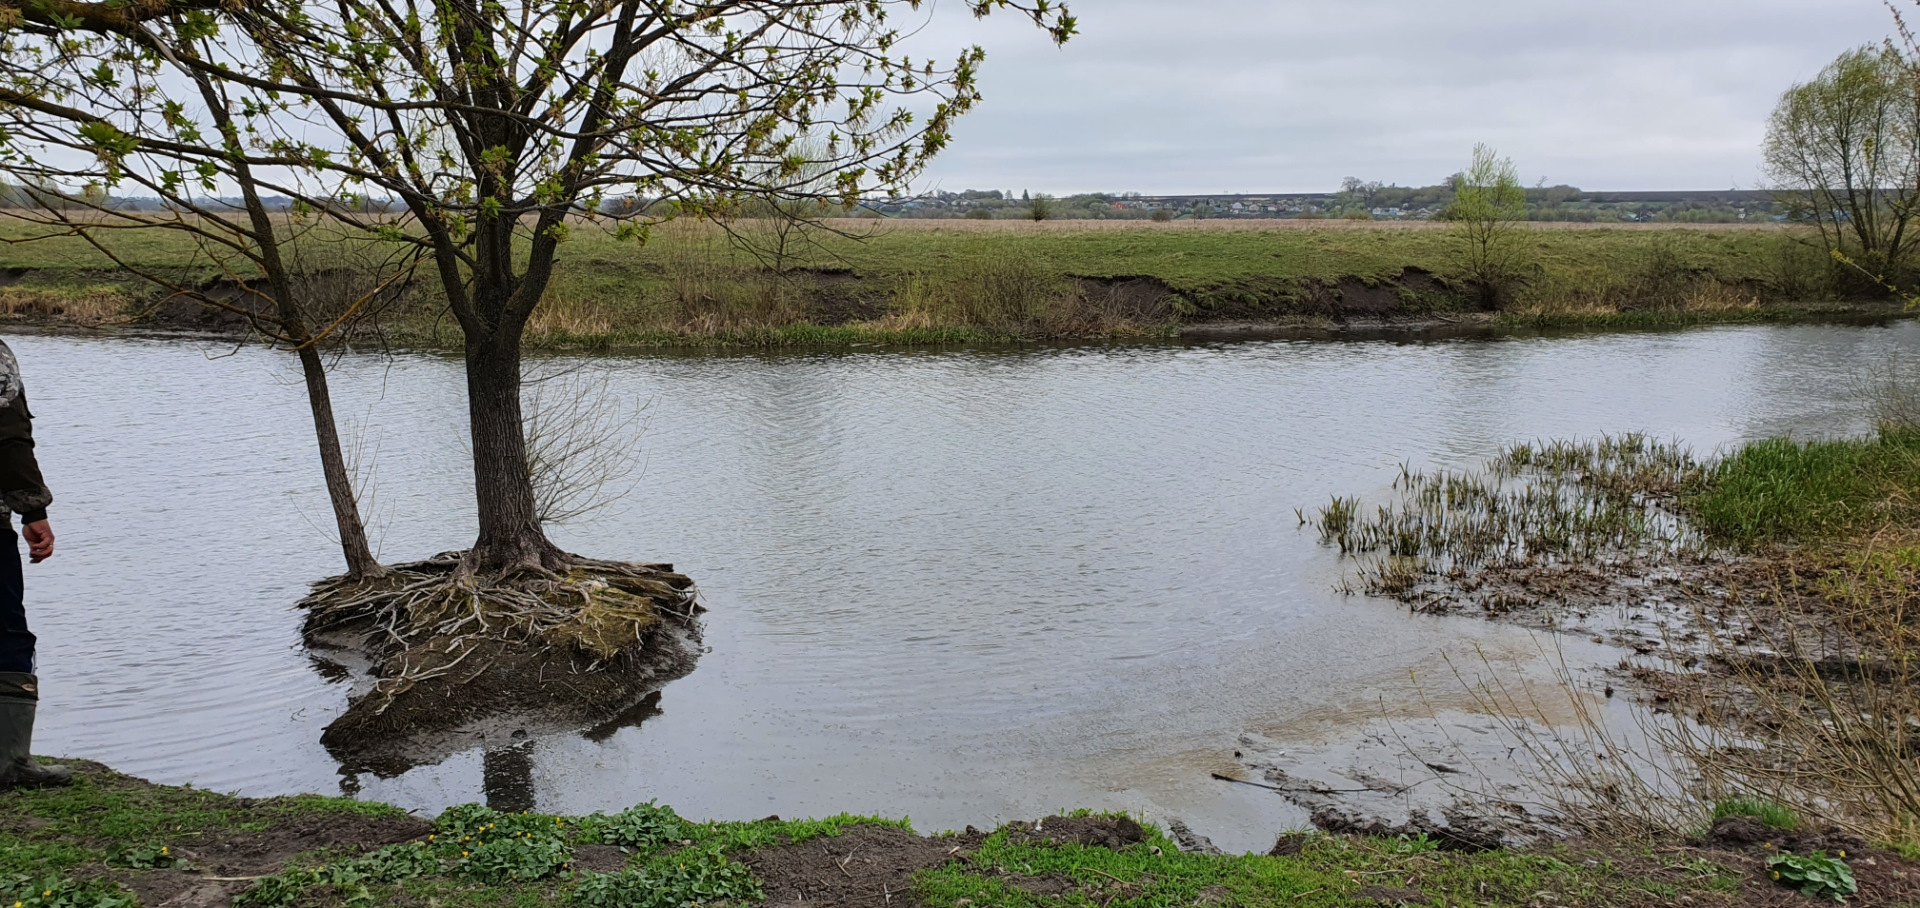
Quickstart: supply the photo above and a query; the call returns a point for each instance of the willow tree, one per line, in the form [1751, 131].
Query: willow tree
[90, 101]
[496, 129]
[1843, 152]
[1488, 212]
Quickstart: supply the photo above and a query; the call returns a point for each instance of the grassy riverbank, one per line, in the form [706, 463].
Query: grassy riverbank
[113, 839]
[938, 282]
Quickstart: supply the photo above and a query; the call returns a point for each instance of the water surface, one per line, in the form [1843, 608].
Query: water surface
[965, 587]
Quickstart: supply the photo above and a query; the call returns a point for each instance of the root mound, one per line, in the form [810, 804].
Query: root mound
[447, 653]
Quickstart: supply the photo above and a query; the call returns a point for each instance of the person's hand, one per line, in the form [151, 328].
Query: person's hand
[39, 536]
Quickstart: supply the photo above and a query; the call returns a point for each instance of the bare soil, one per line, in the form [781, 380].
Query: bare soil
[1745, 844]
[865, 866]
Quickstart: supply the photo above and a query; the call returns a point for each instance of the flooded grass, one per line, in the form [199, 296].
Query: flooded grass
[1793, 675]
[1609, 498]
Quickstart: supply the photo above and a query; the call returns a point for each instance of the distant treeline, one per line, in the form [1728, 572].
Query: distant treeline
[1356, 200]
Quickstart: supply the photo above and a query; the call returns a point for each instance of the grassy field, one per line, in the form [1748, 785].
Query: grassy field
[961, 281]
[112, 840]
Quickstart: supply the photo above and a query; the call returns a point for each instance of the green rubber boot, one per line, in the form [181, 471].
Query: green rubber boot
[19, 697]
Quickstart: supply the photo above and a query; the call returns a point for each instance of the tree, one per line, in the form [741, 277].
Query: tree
[51, 147]
[1040, 207]
[1843, 152]
[497, 128]
[1489, 207]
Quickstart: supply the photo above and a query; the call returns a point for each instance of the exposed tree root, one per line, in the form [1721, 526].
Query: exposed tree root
[447, 649]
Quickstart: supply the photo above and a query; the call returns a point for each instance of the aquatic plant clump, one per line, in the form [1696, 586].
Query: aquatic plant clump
[1559, 502]
[446, 646]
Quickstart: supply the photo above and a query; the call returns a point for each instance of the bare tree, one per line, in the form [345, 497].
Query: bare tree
[496, 128]
[582, 444]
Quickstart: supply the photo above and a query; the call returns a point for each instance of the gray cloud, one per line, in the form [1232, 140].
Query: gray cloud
[1166, 96]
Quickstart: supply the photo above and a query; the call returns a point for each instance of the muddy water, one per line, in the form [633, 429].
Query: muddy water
[964, 587]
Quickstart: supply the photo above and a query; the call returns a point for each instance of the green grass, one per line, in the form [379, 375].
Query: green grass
[1785, 490]
[1327, 872]
[64, 842]
[1767, 812]
[934, 283]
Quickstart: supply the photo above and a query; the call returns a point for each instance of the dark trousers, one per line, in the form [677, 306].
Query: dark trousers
[16, 642]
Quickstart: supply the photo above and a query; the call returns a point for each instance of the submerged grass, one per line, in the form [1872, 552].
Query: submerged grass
[1533, 503]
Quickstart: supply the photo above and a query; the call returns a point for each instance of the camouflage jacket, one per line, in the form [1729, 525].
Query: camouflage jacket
[22, 491]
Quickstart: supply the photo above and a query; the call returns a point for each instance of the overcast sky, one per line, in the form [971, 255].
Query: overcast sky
[1217, 96]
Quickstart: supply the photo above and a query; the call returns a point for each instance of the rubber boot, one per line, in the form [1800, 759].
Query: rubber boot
[19, 697]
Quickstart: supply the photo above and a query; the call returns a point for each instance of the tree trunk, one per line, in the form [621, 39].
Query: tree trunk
[346, 508]
[510, 535]
[293, 325]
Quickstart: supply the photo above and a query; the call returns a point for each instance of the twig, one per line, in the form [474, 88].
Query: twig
[1310, 789]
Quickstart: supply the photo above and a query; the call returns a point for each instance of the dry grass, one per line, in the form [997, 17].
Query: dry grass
[1810, 697]
[964, 225]
[563, 314]
[89, 307]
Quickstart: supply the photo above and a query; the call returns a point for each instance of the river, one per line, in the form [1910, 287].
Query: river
[963, 587]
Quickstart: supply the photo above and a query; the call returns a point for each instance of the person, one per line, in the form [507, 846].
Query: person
[22, 492]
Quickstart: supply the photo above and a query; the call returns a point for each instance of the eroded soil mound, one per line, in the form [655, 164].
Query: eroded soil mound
[446, 656]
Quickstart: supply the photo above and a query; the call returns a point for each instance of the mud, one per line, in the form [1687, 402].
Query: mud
[594, 669]
[1745, 844]
[1103, 832]
[1139, 299]
[866, 865]
[248, 853]
[1462, 830]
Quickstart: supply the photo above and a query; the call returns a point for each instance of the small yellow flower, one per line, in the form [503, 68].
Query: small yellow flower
[465, 853]
[1843, 852]
[47, 894]
[1775, 874]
